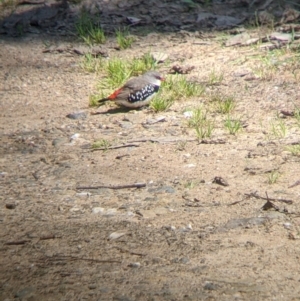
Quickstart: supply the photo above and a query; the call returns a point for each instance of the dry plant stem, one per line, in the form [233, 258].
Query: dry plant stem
[137, 185]
[116, 146]
[130, 252]
[218, 141]
[46, 237]
[66, 257]
[159, 140]
[295, 184]
[16, 243]
[255, 195]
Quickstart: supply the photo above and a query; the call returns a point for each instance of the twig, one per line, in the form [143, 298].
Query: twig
[64, 257]
[254, 195]
[295, 184]
[116, 146]
[218, 141]
[131, 252]
[122, 156]
[136, 185]
[46, 237]
[18, 242]
[30, 2]
[158, 140]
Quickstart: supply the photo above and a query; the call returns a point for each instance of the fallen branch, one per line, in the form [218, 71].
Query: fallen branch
[116, 146]
[136, 185]
[16, 243]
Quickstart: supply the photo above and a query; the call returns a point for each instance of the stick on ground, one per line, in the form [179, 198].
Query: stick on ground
[136, 185]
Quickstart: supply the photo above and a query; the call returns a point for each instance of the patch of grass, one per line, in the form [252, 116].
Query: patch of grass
[88, 31]
[162, 102]
[190, 184]
[273, 177]
[294, 149]
[93, 100]
[91, 64]
[4, 4]
[233, 125]
[202, 125]
[20, 30]
[118, 71]
[297, 115]
[215, 78]
[143, 64]
[266, 73]
[181, 87]
[102, 143]
[223, 104]
[278, 129]
[181, 145]
[267, 65]
[124, 40]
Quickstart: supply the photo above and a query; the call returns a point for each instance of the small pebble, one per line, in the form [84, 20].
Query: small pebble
[97, 210]
[188, 114]
[134, 265]
[92, 286]
[77, 115]
[74, 137]
[10, 206]
[83, 194]
[116, 235]
[190, 165]
[287, 225]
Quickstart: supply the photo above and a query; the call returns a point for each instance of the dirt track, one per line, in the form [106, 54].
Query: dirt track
[182, 237]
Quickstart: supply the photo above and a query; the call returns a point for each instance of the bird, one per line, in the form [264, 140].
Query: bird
[136, 92]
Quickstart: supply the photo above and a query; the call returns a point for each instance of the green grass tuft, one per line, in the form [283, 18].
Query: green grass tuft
[91, 64]
[294, 149]
[118, 71]
[273, 177]
[143, 64]
[215, 78]
[222, 104]
[202, 125]
[124, 39]
[88, 31]
[162, 102]
[181, 87]
[233, 125]
[278, 129]
[102, 143]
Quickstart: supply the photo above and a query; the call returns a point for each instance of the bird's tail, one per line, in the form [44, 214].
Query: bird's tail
[102, 101]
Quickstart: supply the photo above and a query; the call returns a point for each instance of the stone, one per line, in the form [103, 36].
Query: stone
[97, 210]
[77, 115]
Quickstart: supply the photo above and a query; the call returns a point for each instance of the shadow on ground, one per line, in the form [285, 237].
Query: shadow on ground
[59, 18]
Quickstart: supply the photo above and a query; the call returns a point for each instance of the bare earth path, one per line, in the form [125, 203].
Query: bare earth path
[180, 237]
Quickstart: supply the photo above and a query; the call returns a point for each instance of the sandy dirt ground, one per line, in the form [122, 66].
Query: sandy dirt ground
[181, 237]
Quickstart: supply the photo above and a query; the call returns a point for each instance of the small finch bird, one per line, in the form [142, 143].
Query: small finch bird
[137, 92]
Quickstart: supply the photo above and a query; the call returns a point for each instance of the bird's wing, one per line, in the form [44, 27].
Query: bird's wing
[132, 86]
[135, 84]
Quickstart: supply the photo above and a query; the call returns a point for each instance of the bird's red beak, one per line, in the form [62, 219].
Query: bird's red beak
[162, 79]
